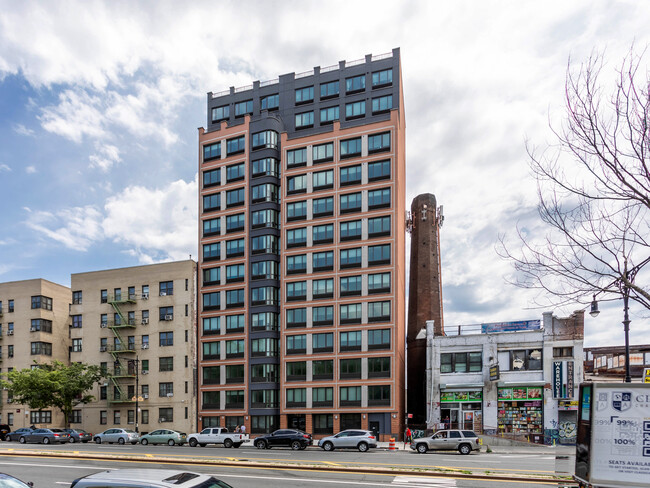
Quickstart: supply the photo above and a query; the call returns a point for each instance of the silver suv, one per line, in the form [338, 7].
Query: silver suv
[148, 478]
[350, 439]
[464, 441]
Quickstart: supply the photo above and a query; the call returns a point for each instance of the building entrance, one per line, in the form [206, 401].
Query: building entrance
[461, 410]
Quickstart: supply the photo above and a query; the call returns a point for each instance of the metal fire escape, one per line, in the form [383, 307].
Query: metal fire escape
[121, 351]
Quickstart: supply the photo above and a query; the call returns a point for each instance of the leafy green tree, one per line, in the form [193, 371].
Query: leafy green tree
[54, 385]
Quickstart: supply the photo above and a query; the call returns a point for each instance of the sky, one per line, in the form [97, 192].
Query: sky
[100, 104]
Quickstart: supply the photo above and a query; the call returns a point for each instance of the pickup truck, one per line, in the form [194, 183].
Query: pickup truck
[216, 435]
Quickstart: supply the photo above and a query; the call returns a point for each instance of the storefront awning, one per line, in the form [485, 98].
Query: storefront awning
[461, 386]
[521, 383]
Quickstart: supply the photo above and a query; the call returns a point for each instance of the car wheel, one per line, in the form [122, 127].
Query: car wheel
[144, 442]
[170, 442]
[98, 440]
[363, 446]
[193, 442]
[295, 445]
[23, 440]
[46, 440]
[227, 443]
[236, 444]
[464, 449]
[260, 444]
[121, 441]
[422, 448]
[328, 446]
[72, 441]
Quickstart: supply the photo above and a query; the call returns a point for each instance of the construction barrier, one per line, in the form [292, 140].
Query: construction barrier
[391, 444]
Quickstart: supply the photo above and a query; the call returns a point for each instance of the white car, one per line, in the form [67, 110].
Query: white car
[349, 439]
[121, 436]
[216, 435]
[148, 478]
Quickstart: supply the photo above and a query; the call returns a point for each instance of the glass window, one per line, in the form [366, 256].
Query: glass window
[266, 167]
[304, 120]
[323, 233]
[243, 108]
[234, 248]
[270, 102]
[235, 172]
[350, 230]
[265, 347]
[329, 115]
[267, 138]
[297, 210]
[297, 157]
[351, 147]
[379, 226]
[297, 264]
[211, 301]
[379, 198]
[166, 339]
[382, 104]
[211, 350]
[212, 202]
[323, 288]
[329, 90]
[211, 276]
[350, 285]
[235, 348]
[220, 113]
[379, 254]
[265, 244]
[264, 321]
[350, 368]
[378, 311]
[350, 313]
[267, 192]
[265, 295]
[323, 342]
[323, 261]
[296, 184]
[323, 152]
[211, 325]
[350, 175]
[211, 178]
[351, 258]
[235, 197]
[323, 315]
[355, 84]
[323, 179]
[323, 206]
[235, 223]
[355, 110]
[323, 369]
[379, 170]
[234, 273]
[296, 344]
[322, 397]
[211, 227]
[268, 270]
[379, 367]
[378, 395]
[236, 145]
[297, 290]
[379, 283]
[212, 251]
[296, 317]
[297, 237]
[304, 95]
[351, 202]
[296, 397]
[265, 218]
[212, 151]
[382, 78]
[379, 339]
[379, 142]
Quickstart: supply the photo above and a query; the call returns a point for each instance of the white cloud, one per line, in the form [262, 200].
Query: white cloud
[30, 170]
[107, 155]
[77, 115]
[4, 167]
[22, 130]
[76, 228]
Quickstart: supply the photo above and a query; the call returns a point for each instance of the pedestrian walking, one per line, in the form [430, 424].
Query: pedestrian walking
[407, 435]
[243, 429]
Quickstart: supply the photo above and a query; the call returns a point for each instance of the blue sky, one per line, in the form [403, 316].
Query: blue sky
[100, 104]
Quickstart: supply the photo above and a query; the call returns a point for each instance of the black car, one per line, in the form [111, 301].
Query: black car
[4, 430]
[17, 434]
[295, 439]
[78, 435]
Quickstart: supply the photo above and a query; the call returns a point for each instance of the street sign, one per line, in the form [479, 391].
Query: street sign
[494, 372]
[646, 375]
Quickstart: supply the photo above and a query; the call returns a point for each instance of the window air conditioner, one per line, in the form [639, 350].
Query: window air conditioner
[163, 293]
[145, 346]
[32, 329]
[102, 348]
[169, 395]
[10, 332]
[145, 321]
[169, 317]
[145, 396]
[145, 371]
[103, 325]
[145, 296]
[162, 419]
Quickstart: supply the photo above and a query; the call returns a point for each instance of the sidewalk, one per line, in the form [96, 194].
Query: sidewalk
[557, 450]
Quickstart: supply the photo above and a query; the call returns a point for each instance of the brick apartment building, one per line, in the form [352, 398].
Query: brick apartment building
[302, 251]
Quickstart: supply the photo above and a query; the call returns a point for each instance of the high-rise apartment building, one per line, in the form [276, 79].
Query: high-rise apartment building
[33, 330]
[302, 266]
[139, 325]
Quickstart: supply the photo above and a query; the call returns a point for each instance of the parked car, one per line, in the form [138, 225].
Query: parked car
[464, 441]
[79, 435]
[121, 436]
[45, 436]
[217, 435]
[148, 478]
[349, 439]
[8, 481]
[296, 439]
[4, 430]
[17, 434]
[164, 436]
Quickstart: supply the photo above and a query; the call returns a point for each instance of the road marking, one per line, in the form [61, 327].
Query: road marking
[330, 463]
[419, 482]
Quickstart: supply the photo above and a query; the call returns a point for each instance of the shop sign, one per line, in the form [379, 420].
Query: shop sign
[569, 379]
[494, 372]
[563, 384]
[646, 375]
[567, 405]
[510, 326]
[520, 393]
[557, 379]
[461, 396]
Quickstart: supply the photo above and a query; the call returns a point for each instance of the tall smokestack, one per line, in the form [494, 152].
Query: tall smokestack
[425, 296]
